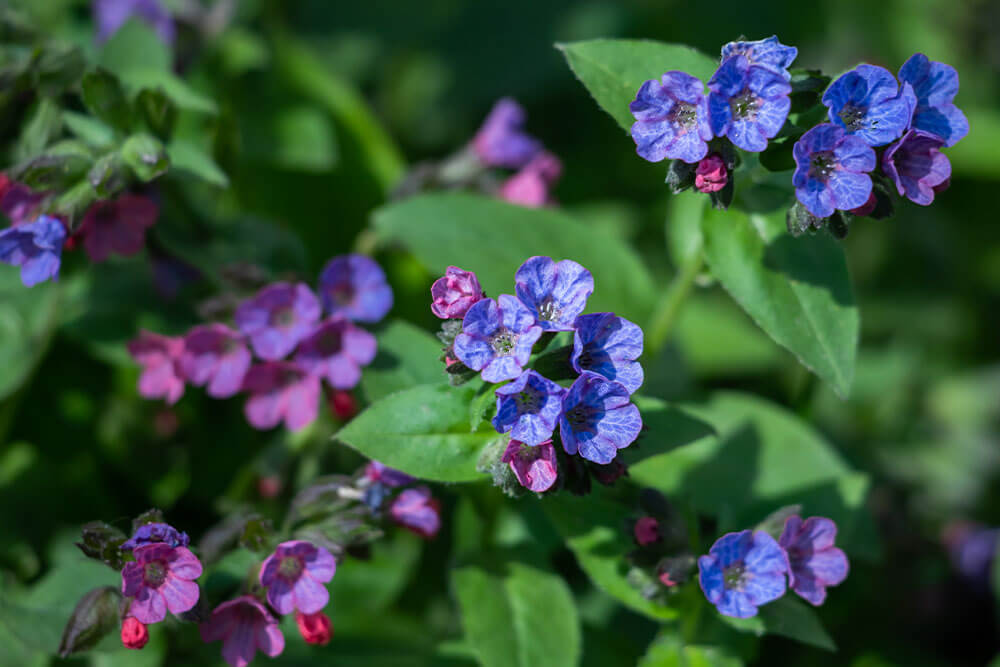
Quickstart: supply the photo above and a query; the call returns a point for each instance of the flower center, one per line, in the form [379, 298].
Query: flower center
[290, 567]
[744, 106]
[684, 115]
[503, 342]
[852, 117]
[342, 293]
[329, 342]
[155, 573]
[735, 576]
[283, 317]
[822, 165]
[529, 400]
[548, 310]
[578, 416]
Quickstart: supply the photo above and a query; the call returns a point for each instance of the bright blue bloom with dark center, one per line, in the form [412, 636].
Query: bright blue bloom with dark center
[832, 170]
[497, 337]
[156, 532]
[529, 408]
[36, 247]
[609, 346]
[671, 119]
[748, 103]
[768, 53]
[743, 571]
[598, 419]
[935, 86]
[556, 292]
[868, 103]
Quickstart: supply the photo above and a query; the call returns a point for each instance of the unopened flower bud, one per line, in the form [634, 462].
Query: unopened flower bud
[135, 634]
[315, 628]
[711, 174]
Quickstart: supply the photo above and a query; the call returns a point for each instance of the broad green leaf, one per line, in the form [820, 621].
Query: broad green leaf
[423, 431]
[43, 124]
[27, 320]
[186, 156]
[613, 69]
[407, 357]
[88, 129]
[146, 156]
[493, 238]
[788, 617]
[524, 618]
[304, 139]
[103, 95]
[363, 589]
[796, 290]
[671, 651]
[134, 45]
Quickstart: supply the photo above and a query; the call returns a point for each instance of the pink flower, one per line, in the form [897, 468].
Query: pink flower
[160, 578]
[454, 293]
[646, 531]
[244, 626]
[280, 390]
[118, 226]
[417, 511]
[336, 350]
[294, 576]
[530, 186]
[135, 634]
[160, 358]
[711, 174]
[314, 628]
[535, 467]
[215, 355]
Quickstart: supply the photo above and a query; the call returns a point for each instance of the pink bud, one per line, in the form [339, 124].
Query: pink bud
[343, 404]
[666, 580]
[269, 487]
[866, 208]
[454, 293]
[646, 530]
[135, 634]
[315, 628]
[530, 186]
[711, 174]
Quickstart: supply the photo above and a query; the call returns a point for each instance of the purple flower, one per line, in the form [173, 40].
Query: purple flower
[646, 531]
[280, 390]
[118, 226]
[768, 53]
[36, 247]
[598, 418]
[160, 358]
[277, 318]
[609, 346]
[454, 293]
[813, 562]
[972, 549]
[917, 165]
[556, 292]
[160, 578]
[417, 511]
[215, 355]
[378, 472]
[529, 408]
[832, 170]
[530, 186]
[534, 467]
[336, 351]
[294, 576]
[501, 141]
[156, 533]
[244, 626]
[671, 119]
[18, 202]
[355, 286]
[743, 571]
[935, 86]
[748, 103]
[868, 103]
[497, 337]
[110, 15]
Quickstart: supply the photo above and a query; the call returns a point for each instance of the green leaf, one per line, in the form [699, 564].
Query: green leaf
[613, 69]
[186, 156]
[104, 96]
[423, 431]
[158, 111]
[524, 618]
[27, 321]
[88, 129]
[303, 139]
[493, 238]
[133, 45]
[42, 126]
[788, 617]
[671, 651]
[146, 156]
[796, 290]
[95, 616]
[175, 89]
[407, 356]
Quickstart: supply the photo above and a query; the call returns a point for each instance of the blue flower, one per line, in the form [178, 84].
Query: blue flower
[556, 292]
[671, 119]
[743, 571]
[768, 53]
[36, 247]
[355, 286]
[935, 86]
[598, 418]
[868, 102]
[831, 170]
[529, 408]
[609, 346]
[501, 141]
[748, 103]
[497, 337]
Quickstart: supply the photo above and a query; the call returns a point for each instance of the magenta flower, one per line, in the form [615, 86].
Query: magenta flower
[501, 141]
[215, 355]
[417, 511]
[118, 226]
[711, 174]
[355, 286]
[277, 318]
[454, 293]
[18, 202]
[379, 472]
[646, 531]
[160, 357]
[160, 578]
[280, 390]
[530, 186]
[244, 626]
[917, 166]
[336, 351]
[534, 467]
[813, 562]
[294, 576]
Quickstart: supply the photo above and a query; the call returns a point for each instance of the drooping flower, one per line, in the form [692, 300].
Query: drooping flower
[748, 103]
[868, 103]
[277, 318]
[315, 628]
[378, 472]
[646, 531]
[935, 86]
[528, 408]
[355, 286]
[415, 510]
[711, 174]
[832, 170]
[336, 351]
[501, 141]
[530, 186]
[134, 633]
[671, 119]
[244, 626]
[535, 467]
[159, 356]
[118, 226]
[917, 166]
[813, 562]
[743, 571]
[160, 578]
[454, 293]
[497, 337]
[767, 52]
[609, 346]
[556, 292]
[36, 247]
[217, 356]
[110, 15]
[156, 533]
[18, 202]
[280, 390]
[598, 419]
[294, 576]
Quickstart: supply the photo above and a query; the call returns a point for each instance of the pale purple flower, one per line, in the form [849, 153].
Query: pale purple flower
[417, 511]
[160, 357]
[217, 356]
[110, 15]
[281, 391]
[244, 626]
[814, 563]
[609, 346]
[917, 166]
[671, 119]
[36, 247]
[555, 292]
[336, 351]
[497, 337]
[530, 186]
[277, 318]
[294, 576]
[160, 578]
[529, 408]
[118, 226]
[501, 141]
[454, 293]
[355, 286]
[535, 467]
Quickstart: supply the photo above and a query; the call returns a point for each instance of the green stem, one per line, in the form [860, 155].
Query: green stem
[669, 306]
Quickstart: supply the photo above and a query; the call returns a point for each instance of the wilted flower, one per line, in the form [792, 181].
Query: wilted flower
[935, 86]
[917, 166]
[378, 472]
[118, 226]
[153, 533]
[646, 531]
[417, 511]
[501, 141]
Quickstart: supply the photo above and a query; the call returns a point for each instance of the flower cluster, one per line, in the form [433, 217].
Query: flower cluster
[496, 338]
[298, 340]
